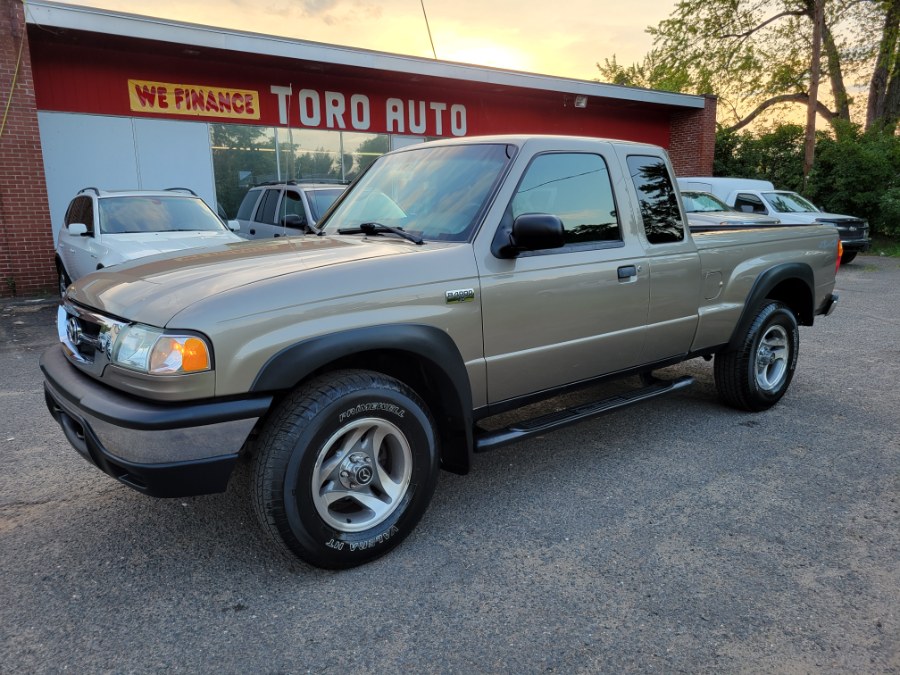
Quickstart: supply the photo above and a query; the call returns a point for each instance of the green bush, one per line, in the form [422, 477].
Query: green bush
[858, 174]
[855, 173]
[775, 155]
[889, 212]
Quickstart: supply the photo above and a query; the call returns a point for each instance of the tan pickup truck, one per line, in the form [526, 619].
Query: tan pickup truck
[453, 281]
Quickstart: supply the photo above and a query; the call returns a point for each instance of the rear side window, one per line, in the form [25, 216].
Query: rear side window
[81, 210]
[656, 194]
[245, 211]
[576, 188]
[266, 212]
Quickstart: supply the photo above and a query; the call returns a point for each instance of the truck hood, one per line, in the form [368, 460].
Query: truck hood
[152, 290]
[812, 217]
[125, 247]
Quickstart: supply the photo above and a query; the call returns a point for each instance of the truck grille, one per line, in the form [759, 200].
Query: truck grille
[87, 337]
[850, 229]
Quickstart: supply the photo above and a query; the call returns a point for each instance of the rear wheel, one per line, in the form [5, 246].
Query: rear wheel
[756, 374]
[345, 468]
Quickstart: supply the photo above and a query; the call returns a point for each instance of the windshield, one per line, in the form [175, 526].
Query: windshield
[702, 202]
[434, 192]
[320, 199]
[788, 202]
[121, 215]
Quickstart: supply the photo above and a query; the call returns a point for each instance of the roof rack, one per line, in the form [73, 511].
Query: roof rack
[96, 191]
[181, 189]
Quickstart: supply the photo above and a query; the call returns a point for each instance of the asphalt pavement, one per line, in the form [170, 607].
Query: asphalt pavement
[680, 536]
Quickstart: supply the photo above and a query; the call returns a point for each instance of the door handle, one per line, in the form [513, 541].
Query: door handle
[627, 272]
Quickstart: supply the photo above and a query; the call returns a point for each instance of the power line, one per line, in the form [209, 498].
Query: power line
[430, 39]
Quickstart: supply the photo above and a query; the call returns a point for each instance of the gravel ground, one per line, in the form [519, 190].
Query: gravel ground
[680, 536]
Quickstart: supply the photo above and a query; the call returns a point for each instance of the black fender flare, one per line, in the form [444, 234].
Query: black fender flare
[445, 371]
[763, 286]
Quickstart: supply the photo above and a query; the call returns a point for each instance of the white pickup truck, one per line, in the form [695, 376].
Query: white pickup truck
[760, 196]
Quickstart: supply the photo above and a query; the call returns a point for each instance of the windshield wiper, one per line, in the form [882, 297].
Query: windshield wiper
[376, 228]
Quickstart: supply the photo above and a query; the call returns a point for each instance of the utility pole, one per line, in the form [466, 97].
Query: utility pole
[814, 73]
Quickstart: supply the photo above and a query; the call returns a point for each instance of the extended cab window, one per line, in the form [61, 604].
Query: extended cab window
[576, 188]
[749, 203]
[659, 205]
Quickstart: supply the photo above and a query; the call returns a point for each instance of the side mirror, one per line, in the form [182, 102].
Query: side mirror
[536, 232]
[295, 222]
[77, 229]
[233, 225]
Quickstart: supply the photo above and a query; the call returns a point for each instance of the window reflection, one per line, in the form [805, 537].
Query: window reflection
[656, 194]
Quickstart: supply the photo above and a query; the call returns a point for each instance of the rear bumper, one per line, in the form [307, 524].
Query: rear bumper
[161, 450]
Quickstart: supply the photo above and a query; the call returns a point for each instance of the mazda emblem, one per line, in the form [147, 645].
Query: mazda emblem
[73, 331]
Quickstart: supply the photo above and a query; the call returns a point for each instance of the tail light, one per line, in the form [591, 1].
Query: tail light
[840, 252]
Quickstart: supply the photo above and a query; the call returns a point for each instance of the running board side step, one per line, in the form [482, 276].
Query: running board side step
[490, 440]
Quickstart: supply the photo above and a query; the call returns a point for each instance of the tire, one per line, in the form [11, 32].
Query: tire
[756, 375]
[345, 468]
[848, 257]
[64, 279]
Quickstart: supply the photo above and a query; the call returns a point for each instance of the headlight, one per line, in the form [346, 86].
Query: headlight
[149, 350]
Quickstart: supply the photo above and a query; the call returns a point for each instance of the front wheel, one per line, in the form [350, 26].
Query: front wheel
[345, 468]
[64, 280]
[756, 374]
[848, 257]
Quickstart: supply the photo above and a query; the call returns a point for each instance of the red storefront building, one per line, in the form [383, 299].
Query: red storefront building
[118, 101]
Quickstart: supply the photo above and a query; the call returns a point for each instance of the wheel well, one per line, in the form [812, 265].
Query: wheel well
[797, 295]
[435, 388]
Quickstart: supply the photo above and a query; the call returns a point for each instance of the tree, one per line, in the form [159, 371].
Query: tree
[858, 173]
[775, 155]
[756, 54]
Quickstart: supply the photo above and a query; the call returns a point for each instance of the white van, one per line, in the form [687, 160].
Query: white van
[760, 196]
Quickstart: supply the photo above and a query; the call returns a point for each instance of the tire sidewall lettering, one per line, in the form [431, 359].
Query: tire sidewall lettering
[302, 517]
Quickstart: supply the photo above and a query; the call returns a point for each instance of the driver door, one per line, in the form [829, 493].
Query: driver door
[563, 315]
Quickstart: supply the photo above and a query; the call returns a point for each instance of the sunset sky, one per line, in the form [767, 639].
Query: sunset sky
[565, 38]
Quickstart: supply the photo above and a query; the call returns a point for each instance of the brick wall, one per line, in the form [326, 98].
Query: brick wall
[26, 237]
[693, 140]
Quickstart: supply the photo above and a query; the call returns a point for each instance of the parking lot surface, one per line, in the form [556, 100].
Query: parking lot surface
[680, 536]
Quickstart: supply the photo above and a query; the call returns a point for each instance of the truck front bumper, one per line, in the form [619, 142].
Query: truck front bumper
[856, 245]
[162, 450]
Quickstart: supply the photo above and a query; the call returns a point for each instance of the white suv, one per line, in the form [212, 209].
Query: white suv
[107, 228]
[285, 209]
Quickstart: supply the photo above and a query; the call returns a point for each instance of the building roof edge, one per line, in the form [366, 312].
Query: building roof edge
[42, 13]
